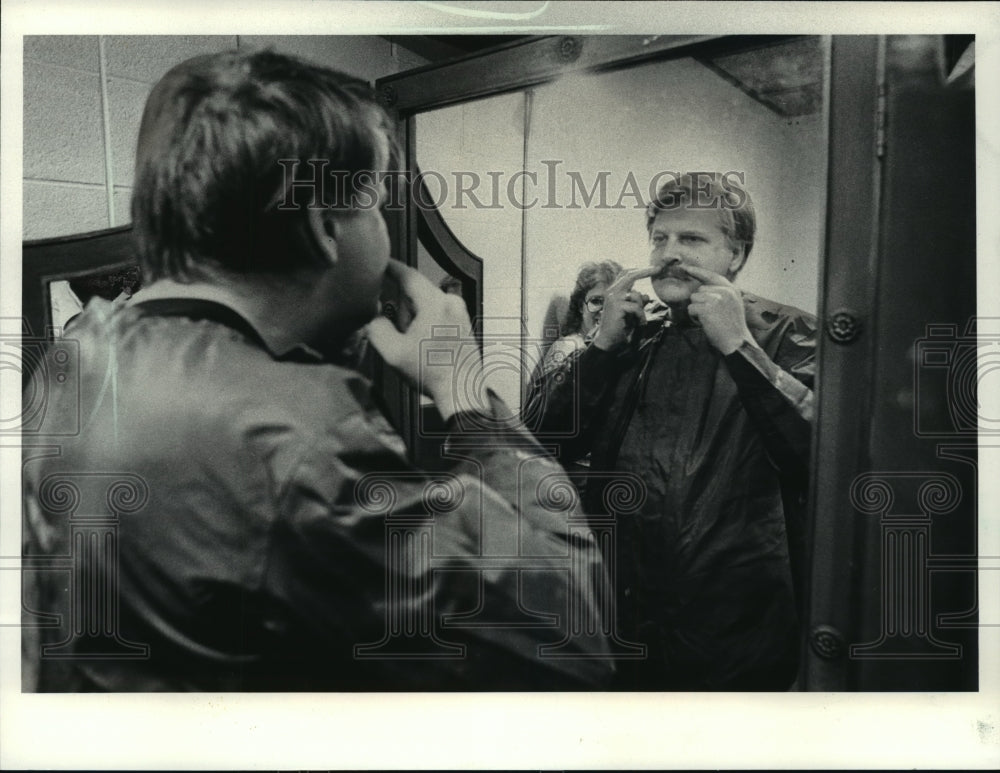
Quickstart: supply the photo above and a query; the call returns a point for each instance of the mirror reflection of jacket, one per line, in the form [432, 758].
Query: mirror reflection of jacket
[705, 561]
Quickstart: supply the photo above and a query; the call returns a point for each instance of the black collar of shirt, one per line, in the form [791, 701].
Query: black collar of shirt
[202, 308]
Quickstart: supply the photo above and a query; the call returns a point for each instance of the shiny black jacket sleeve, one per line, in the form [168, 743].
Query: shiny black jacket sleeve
[405, 548]
[565, 403]
[775, 379]
[779, 405]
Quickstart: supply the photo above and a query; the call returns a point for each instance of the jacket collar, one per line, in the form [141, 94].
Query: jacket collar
[204, 301]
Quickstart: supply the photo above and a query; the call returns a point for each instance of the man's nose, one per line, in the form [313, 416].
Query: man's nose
[666, 253]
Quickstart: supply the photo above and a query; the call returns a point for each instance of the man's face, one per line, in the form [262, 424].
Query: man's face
[691, 237]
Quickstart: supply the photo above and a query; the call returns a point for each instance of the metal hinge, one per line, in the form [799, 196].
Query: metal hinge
[880, 121]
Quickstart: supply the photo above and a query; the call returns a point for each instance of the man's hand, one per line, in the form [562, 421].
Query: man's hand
[718, 307]
[622, 309]
[453, 375]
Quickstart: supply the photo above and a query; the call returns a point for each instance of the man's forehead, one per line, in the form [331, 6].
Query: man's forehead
[688, 218]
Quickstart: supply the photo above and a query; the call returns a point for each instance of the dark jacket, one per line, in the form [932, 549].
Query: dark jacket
[225, 519]
[703, 571]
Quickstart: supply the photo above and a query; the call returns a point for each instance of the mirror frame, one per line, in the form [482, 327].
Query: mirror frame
[65, 257]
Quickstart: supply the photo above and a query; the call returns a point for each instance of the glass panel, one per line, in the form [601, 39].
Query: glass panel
[470, 155]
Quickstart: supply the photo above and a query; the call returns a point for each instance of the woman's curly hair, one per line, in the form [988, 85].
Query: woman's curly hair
[590, 275]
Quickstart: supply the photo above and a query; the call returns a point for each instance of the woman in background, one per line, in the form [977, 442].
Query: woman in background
[585, 306]
[586, 303]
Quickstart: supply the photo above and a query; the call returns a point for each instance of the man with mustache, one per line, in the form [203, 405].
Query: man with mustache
[269, 531]
[710, 407]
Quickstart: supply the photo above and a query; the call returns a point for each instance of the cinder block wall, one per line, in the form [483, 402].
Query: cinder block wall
[83, 99]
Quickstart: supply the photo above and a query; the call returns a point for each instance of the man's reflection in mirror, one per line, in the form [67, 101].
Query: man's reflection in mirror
[707, 397]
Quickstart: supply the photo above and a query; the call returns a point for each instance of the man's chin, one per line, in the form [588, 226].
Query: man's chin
[352, 320]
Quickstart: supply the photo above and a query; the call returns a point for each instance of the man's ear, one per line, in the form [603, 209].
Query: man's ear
[322, 233]
[739, 258]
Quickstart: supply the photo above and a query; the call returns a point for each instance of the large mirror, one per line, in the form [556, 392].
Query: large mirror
[541, 156]
[541, 181]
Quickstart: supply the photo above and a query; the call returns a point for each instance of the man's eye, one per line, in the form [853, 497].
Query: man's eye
[659, 239]
[690, 239]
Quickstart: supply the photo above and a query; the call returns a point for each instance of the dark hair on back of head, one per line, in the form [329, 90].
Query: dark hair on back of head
[208, 180]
